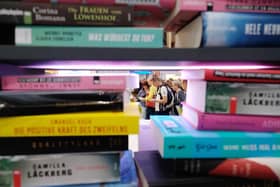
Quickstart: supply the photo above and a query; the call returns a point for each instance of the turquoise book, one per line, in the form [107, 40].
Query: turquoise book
[58, 36]
[176, 138]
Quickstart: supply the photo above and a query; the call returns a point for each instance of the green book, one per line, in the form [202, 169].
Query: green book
[89, 36]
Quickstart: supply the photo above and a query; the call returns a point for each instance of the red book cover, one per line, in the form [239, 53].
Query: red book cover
[254, 76]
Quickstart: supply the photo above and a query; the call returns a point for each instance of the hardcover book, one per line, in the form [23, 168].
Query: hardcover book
[21, 13]
[230, 122]
[89, 36]
[234, 97]
[63, 169]
[61, 144]
[19, 103]
[186, 10]
[236, 29]
[154, 171]
[70, 82]
[71, 124]
[226, 75]
[176, 138]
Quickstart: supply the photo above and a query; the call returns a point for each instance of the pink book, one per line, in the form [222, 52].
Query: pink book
[186, 10]
[93, 82]
[228, 122]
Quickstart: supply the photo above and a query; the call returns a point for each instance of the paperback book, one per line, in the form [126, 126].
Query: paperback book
[21, 13]
[186, 10]
[89, 36]
[234, 97]
[71, 124]
[128, 174]
[153, 172]
[236, 29]
[61, 144]
[227, 75]
[62, 169]
[70, 82]
[176, 138]
[19, 103]
[230, 122]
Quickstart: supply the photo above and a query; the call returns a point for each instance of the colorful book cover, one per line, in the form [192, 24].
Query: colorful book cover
[234, 97]
[156, 171]
[186, 10]
[230, 122]
[249, 168]
[62, 169]
[21, 13]
[176, 138]
[128, 174]
[70, 82]
[20, 103]
[61, 144]
[71, 124]
[89, 36]
[227, 75]
[228, 29]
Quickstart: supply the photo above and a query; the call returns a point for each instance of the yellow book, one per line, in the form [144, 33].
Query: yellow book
[70, 124]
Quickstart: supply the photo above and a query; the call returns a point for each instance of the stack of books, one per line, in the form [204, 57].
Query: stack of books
[84, 23]
[227, 135]
[66, 130]
[224, 23]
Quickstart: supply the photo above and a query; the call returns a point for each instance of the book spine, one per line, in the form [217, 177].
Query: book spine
[65, 144]
[163, 4]
[60, 14]
[74, 124]
[259, 76]
[186, 10]
[212, 146]
[249, 168]
[40, 82]
[63, 169]
[249, 98]
[253, 76]
[33, 103]
[240, 30]
[253, 123]
[232, 6]
[89, 36]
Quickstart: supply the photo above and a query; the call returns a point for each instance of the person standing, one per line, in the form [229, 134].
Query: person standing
[180, 96]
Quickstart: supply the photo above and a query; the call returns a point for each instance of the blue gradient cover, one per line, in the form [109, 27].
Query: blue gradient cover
[176, 138]
[240, 29]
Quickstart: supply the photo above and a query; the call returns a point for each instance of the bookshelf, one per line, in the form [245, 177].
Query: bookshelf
[23, 56]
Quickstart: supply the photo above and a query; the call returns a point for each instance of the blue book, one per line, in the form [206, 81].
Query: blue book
[218, 29]
[176, 138]
[127, 170]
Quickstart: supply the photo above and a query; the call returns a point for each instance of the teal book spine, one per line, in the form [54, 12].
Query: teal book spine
[176, 138]
[89, 36]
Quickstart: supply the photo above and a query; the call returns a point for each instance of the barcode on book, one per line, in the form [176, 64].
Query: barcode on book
[139, 2]
[23, 36]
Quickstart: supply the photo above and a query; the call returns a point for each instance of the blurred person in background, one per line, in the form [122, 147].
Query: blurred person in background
[150, 98]
[180, 96]
[141, 97]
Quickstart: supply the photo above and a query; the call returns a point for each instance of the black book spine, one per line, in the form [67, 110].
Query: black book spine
[22, 13]
[63, 144]
[13, 103]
